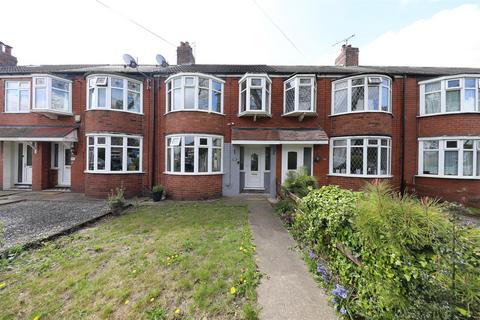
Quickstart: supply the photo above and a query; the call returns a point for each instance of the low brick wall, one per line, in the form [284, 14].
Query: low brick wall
[198, 187]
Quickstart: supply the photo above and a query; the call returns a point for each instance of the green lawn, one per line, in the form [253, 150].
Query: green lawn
[178, 261]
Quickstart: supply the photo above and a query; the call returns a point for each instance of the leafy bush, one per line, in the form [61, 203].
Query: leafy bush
[158, 189]
[299, 182]
[285, 209]
[116, 199]
[411, 262]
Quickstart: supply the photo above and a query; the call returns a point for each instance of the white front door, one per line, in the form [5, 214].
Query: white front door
[64, 165]
[254, 167]
[24, 163]
[296, 156]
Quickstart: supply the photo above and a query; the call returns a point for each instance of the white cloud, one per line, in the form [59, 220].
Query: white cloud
[449, 38]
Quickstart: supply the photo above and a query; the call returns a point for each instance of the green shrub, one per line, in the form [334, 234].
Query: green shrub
[158, 189]
[299, 182]
[286, 210]
[414, 262]
[116, 199]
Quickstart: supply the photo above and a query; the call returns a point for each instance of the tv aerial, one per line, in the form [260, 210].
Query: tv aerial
[344, 40]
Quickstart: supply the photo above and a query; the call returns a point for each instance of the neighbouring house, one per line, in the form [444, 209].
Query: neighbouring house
[209, 130]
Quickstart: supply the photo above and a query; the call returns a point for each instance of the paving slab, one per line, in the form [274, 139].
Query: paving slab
[287, 290]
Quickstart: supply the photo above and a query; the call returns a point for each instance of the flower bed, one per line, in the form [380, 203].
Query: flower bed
[383, 256]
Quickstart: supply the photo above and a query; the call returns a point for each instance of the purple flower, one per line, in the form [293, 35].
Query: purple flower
[312, 255]
[334, 301]
[340, 291]
[343, 311]
[323, 272]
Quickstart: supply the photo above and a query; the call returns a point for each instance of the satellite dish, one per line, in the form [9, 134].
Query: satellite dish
[130, 61]
[161, 60]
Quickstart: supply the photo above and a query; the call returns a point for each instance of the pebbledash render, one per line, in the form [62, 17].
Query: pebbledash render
[204, 131]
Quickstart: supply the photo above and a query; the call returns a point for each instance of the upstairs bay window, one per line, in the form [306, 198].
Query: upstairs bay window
[449, 157]
[360, 156]
[114, 153]
[194, 154]
[450, 95]
[194, 92]
[255, 95]
[17, 96]
[299, 95]
[52, 95]
[370, 93]
[114, 93]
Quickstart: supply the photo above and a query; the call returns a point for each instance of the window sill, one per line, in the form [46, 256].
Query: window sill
[358, 112]
[115, 110]
[53, 111]
[114, 172]
[254, 114]
[447, 177]
[297, 113]
[194, 110]
[17, 112]
[360, 176]
[447, 113]
[193, 173]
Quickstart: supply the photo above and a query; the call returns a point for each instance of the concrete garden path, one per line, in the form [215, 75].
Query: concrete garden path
[287, 289]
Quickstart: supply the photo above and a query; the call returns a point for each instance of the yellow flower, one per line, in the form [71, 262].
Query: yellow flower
[241, 248]
[254, 248]
[244, 281]
[134, 271]
[126, 301]
[232, 290]
[151, 300]
[36, 318]
[3, 285]
[177, 311]
[168, 258]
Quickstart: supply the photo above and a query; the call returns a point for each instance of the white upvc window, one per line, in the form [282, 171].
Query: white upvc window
[52, 94]
[452, 94]
[194, 92]
[114, 153]
[449, 157]
[190, 154]
[299, 95]
[367, 157]
[17, 96]
[366, 93]
[109, 92]
[255, 94]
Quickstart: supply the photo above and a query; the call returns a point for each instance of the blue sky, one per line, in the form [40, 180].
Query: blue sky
[402, 32]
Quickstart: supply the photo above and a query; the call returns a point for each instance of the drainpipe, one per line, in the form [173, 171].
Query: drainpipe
[153, 121]
[404, 115]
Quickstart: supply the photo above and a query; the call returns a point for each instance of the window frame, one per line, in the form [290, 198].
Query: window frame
[108, 148]
[443, 94]
[169, 92]
[92, 83]
[48, 94]
[196, 146]
[365, 85]
[296, 84]
[18, 89]
[364, 147]
[266, 101]
[442, 148]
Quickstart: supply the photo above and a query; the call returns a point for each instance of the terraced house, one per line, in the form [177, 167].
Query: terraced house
[209, 130]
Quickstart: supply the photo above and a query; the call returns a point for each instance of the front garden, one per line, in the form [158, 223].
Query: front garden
[175, 261]
[381, 255]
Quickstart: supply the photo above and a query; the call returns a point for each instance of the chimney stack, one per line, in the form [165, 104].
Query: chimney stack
[6, 58]
[185, 54]
[348, 57]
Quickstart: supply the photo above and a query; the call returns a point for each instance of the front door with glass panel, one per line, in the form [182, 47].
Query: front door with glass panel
[65, 166]
[24, 163]
[294, 157]
[254, 167]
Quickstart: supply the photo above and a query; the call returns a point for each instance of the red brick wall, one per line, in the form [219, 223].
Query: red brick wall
[41, 166]
[100, 185]
[114, 121]
[460, 190]
[449, 125]
[194, 122]
[193, 187]
[356, 183]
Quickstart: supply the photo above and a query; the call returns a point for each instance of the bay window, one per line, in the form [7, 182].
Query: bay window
[449, 157]
[194, 92]
[370, 93]
[17, 96]
[450, 95]
[360, 156]
[114, 93]
[194, 154]
[52, 95]
[255, 95]
[107, 153]
[299, 95]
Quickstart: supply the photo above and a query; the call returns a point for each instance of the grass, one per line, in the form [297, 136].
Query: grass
[177, 261]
